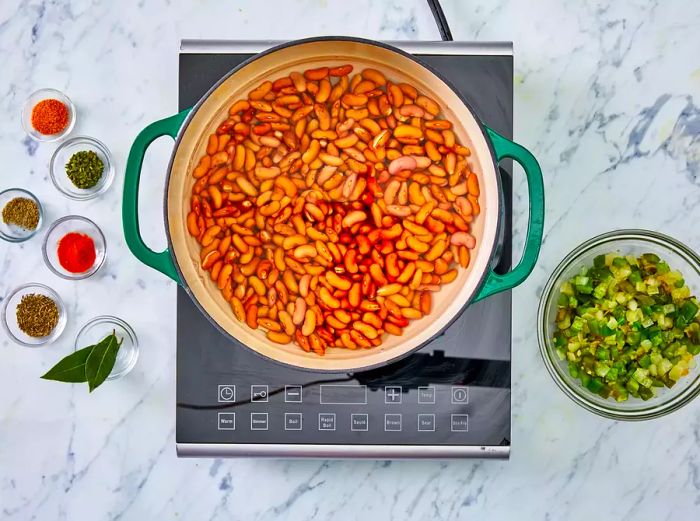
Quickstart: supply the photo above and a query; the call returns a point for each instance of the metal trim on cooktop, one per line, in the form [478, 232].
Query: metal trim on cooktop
[285, 450]
[413, 47]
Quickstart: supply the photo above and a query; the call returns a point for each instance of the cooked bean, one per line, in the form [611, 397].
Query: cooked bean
[328, 208]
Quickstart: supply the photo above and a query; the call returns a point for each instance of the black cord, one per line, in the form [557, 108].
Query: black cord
[440, 20]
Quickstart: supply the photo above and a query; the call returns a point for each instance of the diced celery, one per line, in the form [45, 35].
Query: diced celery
[664, 366]
[642, 376]
[601, 369]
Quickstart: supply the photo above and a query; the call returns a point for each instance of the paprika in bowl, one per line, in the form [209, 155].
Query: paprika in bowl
[74, 247]
[48, 115]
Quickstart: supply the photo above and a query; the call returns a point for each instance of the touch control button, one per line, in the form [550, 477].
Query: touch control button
[292, 393]
[227, 421]
[359, 422]
[426, 395]
[426, 422]
[460, 422]
[392, 422]
[326, 421]
[460, 394]
[392, 394]
[258, 421]
[258, 393]
[227, 393]
[292, 421]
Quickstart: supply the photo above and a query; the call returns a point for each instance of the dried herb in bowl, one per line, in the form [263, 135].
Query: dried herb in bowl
[91, 364]
[85, 169]
[37, 315]
[21, 212]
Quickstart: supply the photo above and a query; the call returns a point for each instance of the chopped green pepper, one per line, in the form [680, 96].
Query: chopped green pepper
[627, 325]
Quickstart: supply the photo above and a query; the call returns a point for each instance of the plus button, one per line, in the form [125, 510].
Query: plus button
[392, 394]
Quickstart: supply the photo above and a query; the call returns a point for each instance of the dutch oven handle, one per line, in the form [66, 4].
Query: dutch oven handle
[504, 148]
[162, 261]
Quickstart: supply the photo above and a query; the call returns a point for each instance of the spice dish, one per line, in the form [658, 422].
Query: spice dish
[11, 321]
[20, 220]
[50, 111]
[72, 152]
[96, 329]
[74, 247]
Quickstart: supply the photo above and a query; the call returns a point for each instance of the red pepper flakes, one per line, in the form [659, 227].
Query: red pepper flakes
[49, 116]
[76, 252]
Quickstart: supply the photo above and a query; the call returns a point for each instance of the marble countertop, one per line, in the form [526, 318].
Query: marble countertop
[606, 96]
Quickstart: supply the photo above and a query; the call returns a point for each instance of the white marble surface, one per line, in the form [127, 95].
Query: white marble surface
[606, 97]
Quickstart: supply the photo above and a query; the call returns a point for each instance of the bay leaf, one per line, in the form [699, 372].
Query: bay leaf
[71, 368]
[101, 361]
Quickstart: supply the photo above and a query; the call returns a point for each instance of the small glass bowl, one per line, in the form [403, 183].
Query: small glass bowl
[35, 98]
[625, 242]
[10, 232]
[63, 226]
[62, 155]
[9, 315]
[98, 328]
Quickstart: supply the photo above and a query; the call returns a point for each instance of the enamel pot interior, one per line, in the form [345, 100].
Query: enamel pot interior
[213, 109]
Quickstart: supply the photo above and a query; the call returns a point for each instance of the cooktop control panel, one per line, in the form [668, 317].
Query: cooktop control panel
[344, 411]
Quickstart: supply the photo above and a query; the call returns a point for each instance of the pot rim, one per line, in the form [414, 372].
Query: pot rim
[492, 258]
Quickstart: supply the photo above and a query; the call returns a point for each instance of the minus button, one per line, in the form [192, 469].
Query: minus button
[292, 393]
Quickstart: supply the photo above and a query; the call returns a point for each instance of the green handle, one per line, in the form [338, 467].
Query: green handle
[505, 148]
[162, 261]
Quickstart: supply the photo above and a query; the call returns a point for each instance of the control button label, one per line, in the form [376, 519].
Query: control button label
[392, 394]
[292, 421]
[460, 422]
[227, 421]
[426, 395]
[359, 422]
[292, 393]
[426, 422]
[258, 421]
[227, 393]
[392, 422]
[460, 394]
[258, 393]
[326, 421]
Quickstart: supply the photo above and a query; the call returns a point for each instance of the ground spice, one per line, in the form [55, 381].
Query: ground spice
[84, 169]
[49, 116]
[37, 315]
[21, 212]
[76, 252]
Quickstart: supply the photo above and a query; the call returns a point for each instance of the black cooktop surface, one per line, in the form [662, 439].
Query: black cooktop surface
[455, 391]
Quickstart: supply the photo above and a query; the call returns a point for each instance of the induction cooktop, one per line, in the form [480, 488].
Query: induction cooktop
[450, 399]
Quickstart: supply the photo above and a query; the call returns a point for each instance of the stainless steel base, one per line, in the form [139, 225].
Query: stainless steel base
[218, 450]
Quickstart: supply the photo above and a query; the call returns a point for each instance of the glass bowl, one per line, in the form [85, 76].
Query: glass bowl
[11, 232]
[9, 315]
[626, 242]
[35, 98]
[98, 328]
[62, 155]
[63, 226]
